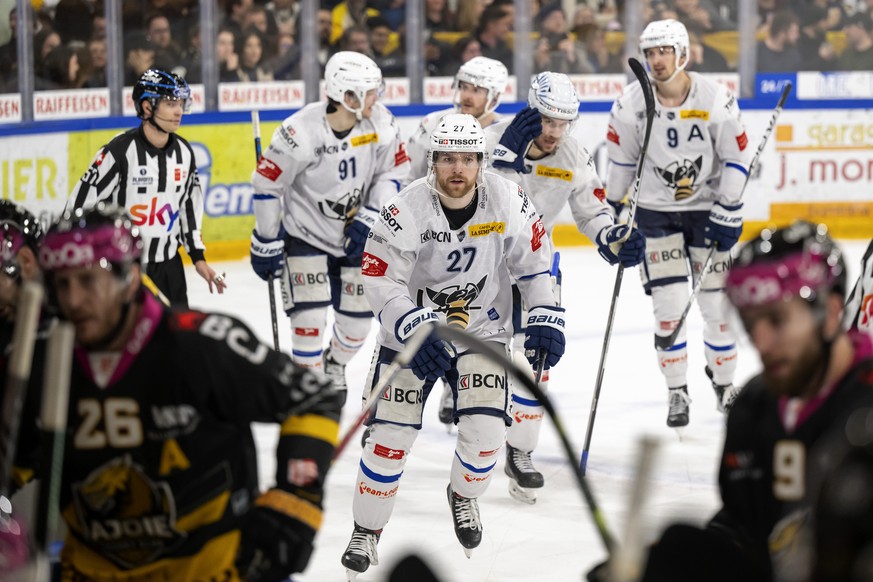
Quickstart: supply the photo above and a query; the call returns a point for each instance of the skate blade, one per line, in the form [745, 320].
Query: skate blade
[680, 432]
[522, 494]
[468, 552]
[351, 575]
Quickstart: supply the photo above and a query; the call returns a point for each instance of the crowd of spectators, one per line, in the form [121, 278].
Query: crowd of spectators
[257, 40]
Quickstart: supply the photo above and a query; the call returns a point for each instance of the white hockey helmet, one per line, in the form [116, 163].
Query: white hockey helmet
[666, 33]
[554, 95]
[458, 132]
[350, 71]
[482, 72]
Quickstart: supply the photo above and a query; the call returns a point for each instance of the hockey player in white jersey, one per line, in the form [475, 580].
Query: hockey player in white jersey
[449, 247]
[858, 313]
[697, 162]
[537, 151]
[479, 84]
[318, 189]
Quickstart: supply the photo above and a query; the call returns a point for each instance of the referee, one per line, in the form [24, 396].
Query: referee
[150, 172]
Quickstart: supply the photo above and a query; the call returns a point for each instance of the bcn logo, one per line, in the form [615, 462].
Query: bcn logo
[149, 214]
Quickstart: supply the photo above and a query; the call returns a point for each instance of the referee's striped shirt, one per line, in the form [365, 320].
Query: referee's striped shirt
[159, 188]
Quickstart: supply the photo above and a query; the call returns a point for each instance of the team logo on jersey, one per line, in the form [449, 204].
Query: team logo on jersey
[343, 208]
[131, 517]
[559, 173]
[538, 231]
[681, 176]
[268, 169]
[455, 301]
[373, 266]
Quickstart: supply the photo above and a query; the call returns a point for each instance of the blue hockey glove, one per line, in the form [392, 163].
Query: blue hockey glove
[629, 253]
[545, 331]
[356, 238]
[524, 128]
[724, 226]
[433, 359]
[266, 255]
[617, 206]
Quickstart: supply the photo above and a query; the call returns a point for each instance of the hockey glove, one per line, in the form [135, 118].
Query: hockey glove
[356, 238]
[266, 254]
[724, 226]
[272, 545]
[545, 331]
[524, 128]
[629, 252]
[433, 359]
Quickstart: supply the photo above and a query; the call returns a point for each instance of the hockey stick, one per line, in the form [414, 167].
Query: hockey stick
[649, 97]
[256, 129]
[20, 361]
[498, 356]
[402, 359]
[53, 416]
[541, 356]
[666, 342]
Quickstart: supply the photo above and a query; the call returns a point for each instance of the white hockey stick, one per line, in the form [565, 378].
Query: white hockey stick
[666, 342]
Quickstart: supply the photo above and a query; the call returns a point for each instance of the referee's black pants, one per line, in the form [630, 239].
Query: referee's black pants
[169, 277]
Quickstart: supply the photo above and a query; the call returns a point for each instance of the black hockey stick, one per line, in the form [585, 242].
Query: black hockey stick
[53, 416]
[666, 342]
[256, 129]
[402, 359]
[17, 378]
[498, 356]
[649, 97]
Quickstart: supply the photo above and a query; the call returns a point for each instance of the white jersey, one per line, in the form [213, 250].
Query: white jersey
[419, 142]
[313, 182]
[698, 152]
[859, 306]
[565, 175]
[414, 259]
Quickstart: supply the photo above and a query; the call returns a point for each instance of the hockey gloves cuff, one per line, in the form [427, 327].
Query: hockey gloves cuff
[613, 249]
[266, 256]
[433, 359]
[356, 238]
[274, 545]
[545, 332]
[724, 226]
[524, 128]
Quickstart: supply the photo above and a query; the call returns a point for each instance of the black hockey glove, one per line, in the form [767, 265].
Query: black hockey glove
[724, 227]
[524, 128]
[545, 331]
[272, 545]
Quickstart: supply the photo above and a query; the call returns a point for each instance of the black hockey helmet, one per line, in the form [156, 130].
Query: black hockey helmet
[798, 260]
[154, 85]
[18, 228]
[103, 235]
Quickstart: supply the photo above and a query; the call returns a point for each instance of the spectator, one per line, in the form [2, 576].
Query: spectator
[44, 42]
[394, 11]
[601, 59]
[583, 15]
[816, 52]
[97, 48]
[167, 52]
[250, 47]
[438, 16]
[555, 50]
[225, 52]
[74, 20]
[60, 70]
[140, 57]
[703, 58]
[703, 13]
[778, 52]
[191, 65]
[234, 13]
[284, 14]
[356, 39]
[348, 13]
[259, 17]
[494, 26]
[391, 60]
[98, 25]
[286, 64]
[325, 28]
[469, 13]
[9, 53]
[858, 54]
[462, 51]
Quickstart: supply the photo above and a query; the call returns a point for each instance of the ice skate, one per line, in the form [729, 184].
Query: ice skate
[337, 373]
[361, 551]
[447, 408]
[524, 479]
[725, 394]
[465, 515]
[677, 416]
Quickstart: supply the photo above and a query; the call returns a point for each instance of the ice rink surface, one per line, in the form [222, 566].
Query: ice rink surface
[555, 539]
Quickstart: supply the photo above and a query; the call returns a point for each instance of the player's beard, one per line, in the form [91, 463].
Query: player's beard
[456, 190]
[805, 377]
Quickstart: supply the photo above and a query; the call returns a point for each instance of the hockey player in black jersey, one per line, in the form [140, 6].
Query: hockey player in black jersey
[159, 474]
[788, 286]
[150, 171]
[20, 234]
